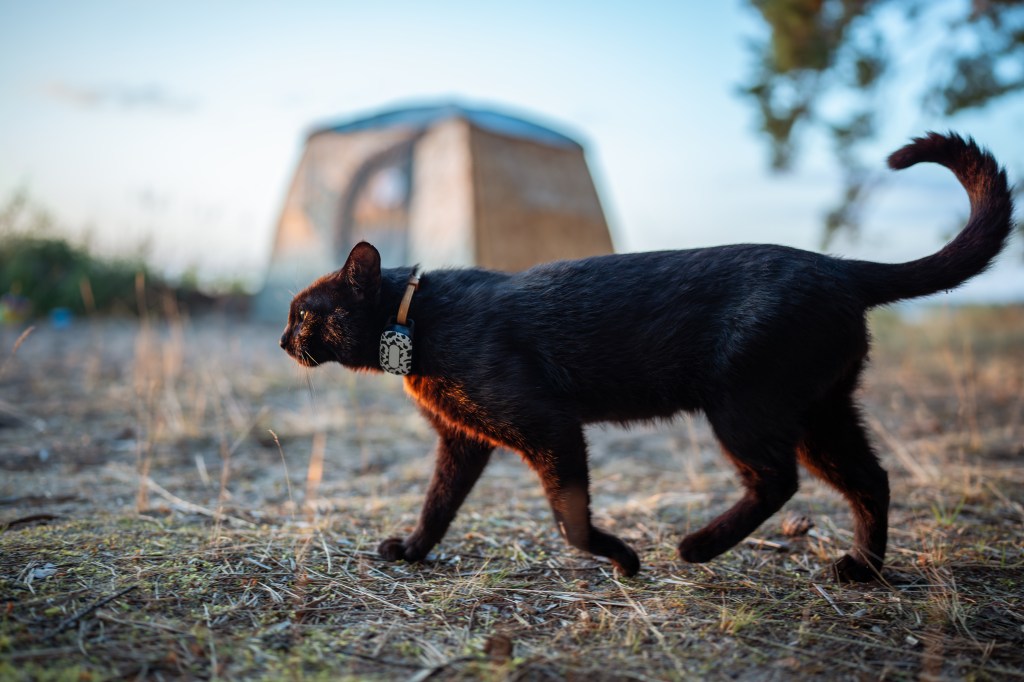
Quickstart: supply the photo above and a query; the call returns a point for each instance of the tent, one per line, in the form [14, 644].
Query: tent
[443, 185]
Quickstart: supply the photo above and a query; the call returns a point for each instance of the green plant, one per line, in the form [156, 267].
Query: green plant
[48, 270]
[944, 516]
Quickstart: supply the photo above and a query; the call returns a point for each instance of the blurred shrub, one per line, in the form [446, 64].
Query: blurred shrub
[44, 270]
[52, 273]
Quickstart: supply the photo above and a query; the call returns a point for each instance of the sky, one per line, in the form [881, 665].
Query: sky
[178, 125]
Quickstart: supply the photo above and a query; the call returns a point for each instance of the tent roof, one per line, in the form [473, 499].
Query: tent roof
[423, 117]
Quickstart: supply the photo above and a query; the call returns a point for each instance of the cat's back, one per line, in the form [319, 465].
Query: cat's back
[635, 335]
[648, 283]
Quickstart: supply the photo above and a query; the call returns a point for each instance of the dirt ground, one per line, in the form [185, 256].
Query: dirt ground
[179, 500]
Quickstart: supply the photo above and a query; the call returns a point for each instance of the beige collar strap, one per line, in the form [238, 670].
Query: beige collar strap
[410, 289]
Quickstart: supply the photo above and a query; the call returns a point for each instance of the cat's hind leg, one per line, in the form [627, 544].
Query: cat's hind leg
[561, 464]
[836, 449]
[766, 461]
[460, 461]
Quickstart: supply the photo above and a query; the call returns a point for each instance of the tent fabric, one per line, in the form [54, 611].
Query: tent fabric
[423, 117]
[443, 186]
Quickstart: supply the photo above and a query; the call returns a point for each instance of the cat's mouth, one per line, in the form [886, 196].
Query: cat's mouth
[302, 355]
[304, 359]
[299, 351]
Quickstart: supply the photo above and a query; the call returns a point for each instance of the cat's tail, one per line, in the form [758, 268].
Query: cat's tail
[971, 251]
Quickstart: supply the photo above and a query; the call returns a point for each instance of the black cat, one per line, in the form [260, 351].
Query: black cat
[768, 341]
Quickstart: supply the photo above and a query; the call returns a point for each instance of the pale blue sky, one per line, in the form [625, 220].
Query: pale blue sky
[181, 123]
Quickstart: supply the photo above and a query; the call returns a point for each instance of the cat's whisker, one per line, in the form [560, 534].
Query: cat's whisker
[310, 386]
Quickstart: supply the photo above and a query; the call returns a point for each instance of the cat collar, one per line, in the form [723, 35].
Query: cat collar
[396, 341]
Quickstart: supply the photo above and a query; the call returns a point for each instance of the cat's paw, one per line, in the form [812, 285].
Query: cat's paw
[851, 570]
[623, 558]
[392, 549]
[627, 563]
[698, 548]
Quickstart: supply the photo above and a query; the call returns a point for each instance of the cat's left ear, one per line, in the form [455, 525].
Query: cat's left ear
[361, 271]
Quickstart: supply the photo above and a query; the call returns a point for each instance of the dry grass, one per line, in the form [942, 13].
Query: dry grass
[181, 502]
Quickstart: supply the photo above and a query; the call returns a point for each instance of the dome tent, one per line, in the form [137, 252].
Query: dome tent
[443, 185]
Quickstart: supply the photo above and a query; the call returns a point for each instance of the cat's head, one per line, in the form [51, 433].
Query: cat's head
[335, 318]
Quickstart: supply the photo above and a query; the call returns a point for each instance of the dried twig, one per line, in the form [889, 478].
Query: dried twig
[828, 598]
[71, 620]
[14, 349]
[25, 520]
[185, 505]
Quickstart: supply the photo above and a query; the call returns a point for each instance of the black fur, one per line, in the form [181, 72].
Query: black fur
[767, 341]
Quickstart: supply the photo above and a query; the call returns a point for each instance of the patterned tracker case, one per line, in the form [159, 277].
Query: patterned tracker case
[396, 349]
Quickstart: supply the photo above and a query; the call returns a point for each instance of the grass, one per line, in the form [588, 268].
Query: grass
[179, 502]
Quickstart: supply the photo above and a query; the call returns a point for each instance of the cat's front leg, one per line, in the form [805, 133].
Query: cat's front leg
[563, 470]
[460, 461]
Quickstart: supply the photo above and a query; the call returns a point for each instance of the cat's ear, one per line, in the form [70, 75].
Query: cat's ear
[361, 272]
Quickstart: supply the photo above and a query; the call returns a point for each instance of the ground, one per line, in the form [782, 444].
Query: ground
[179, 500]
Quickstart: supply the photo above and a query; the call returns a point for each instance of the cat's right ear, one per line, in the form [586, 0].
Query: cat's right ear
[361, 272]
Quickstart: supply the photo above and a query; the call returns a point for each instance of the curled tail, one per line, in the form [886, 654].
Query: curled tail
[971, 251]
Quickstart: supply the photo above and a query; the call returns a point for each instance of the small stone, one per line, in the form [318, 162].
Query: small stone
[796, 525]
[498, 647]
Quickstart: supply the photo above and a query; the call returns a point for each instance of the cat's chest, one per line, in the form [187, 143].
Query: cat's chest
[456, 406]
[443, 397]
